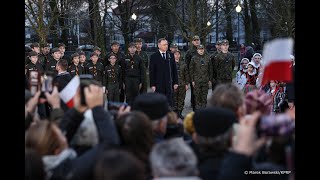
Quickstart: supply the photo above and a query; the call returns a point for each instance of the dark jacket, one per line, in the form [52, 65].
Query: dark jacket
[82, 166]
[75, 70]
[61, 81]
[96, 70]
[132, 67]
[161, 75]
[235, 166]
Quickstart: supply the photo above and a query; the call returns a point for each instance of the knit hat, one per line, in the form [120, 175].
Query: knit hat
[213, 121]
[154, 105]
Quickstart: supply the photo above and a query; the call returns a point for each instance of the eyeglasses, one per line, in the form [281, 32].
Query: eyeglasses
[244, 63]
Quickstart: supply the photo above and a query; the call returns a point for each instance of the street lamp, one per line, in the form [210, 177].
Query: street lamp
[209, 24]
[133, 17]
[238, 9]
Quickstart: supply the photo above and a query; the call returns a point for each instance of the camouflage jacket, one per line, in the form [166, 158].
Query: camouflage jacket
[223, 65]
[200, 69]
[182, 70]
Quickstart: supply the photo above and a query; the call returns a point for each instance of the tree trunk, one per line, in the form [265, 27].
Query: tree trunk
[62, 23]
[92, 24]
[255, 24]
[229, 32]
[247, 23]
[53, 28]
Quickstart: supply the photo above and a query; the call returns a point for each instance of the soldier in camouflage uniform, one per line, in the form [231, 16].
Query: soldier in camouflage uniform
[201, 73]
[132, 72]
[218, 43]
[173, 48]
[75, 68]
[223, 64]
[33, 65]
[95, 68]
[145, 61]
[189, 54]
[51, 65]
[113, 79]
[183, 80]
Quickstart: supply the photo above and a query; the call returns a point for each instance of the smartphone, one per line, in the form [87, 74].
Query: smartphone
[275, 125]
[85, 81]
[34, 82]
[47, 83]
[116, 105]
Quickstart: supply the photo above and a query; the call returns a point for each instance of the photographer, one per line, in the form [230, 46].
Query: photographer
[49, 141]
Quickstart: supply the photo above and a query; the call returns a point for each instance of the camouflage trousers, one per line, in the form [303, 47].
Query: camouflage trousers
[179, 96]
[200, 94]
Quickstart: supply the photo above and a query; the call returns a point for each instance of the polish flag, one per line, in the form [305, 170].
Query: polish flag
[276, 57]
[69, 91]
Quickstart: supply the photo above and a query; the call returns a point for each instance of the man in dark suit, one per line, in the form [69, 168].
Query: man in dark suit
[163, 71]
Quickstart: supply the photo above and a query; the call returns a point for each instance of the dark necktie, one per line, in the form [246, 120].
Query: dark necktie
[163, 56]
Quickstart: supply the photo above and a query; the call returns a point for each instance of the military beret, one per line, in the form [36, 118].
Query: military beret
[213, 121]
[200, 46]
[154, 105]
[174, 45]
[32, 53]
[55, 50]
[74, 55]
[35, 44]
[138, 40]
[94, 54]
[225, 41]
[61, 44]
[114, 43]
[132, 44]
[195, 37]
[96, 48]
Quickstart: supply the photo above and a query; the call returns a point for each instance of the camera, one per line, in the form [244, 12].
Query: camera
[115, 105]
[275, 125]
[85, 81]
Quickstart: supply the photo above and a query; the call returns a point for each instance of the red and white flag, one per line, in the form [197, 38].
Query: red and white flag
[69, 91]
[276, 57]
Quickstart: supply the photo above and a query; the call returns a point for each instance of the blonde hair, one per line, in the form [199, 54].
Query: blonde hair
[188, 123]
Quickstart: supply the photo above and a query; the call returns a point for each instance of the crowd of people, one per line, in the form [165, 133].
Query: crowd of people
[245, 130]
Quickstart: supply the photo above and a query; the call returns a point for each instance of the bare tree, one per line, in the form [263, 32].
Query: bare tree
[121, 17]
[247, 23]
[280, 16]
[191, 17]
[52, 17]
[35, 11]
